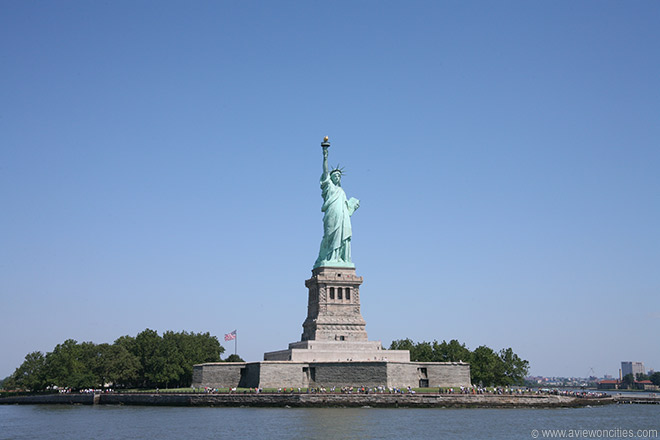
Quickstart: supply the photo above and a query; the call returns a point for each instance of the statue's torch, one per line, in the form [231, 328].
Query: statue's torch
[326, 143]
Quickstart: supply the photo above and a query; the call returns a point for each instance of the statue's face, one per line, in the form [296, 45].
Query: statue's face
[336, 178]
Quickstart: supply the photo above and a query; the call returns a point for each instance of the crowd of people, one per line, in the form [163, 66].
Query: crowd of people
[410, 390]
[87, 390]
[521, 391]
[378, 390]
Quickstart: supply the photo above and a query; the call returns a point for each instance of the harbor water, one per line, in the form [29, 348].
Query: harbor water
[48, 422]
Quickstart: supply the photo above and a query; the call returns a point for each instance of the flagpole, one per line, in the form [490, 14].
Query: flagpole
[235, 341]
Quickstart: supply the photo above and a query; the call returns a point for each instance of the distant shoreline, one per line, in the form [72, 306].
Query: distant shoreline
[320, 400]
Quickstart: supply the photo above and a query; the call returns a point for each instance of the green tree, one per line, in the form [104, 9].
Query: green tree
[123, 366]
[31, 375]
[514, 369]
[402, 344]
[72, 365]
[453, 351]
[422, 352]
[9, 383]
[628, 380]
[173, 368]
[194, 348]
[655, 378]
[146, 347]
[641, 376]
[93, 363]
[116, 365]
[234, 358]
[146, 360]
[486, 368]
[419, 352]
[168, 360]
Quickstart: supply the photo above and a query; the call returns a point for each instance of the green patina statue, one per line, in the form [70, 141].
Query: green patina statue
[337, 210]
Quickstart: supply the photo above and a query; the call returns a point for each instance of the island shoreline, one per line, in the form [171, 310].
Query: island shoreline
[316, 400]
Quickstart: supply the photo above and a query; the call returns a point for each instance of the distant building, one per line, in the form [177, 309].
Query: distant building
[618, 385]
[633, 368]
[645, 385]
[609, 385]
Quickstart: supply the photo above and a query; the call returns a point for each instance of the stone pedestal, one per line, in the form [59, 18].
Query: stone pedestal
[334, 330]
[333, 307]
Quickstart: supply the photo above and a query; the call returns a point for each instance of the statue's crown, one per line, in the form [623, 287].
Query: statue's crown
[337, 169]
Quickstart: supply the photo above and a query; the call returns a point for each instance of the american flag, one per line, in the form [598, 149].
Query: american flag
[230, 336]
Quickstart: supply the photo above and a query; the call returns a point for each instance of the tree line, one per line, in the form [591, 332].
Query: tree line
[487, 367]
[147, 360]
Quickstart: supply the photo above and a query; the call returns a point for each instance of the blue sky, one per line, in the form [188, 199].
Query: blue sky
[159, 166]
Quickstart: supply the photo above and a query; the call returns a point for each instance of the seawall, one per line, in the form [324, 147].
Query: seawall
[317, 400]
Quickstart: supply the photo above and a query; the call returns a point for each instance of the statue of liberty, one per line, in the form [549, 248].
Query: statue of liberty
[337, 210]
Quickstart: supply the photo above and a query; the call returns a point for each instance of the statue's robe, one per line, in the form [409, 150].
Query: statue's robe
[336, 243]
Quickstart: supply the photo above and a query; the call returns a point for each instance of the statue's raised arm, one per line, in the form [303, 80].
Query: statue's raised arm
[337, 210]
[325, 145]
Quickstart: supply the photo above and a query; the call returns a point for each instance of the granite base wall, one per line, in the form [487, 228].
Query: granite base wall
[218, 374]
[282, 374]
[447, 374]
[274, 374]
[368, 374]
